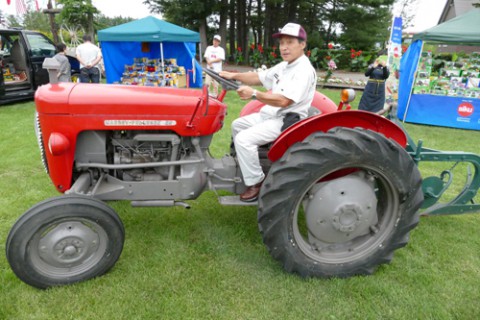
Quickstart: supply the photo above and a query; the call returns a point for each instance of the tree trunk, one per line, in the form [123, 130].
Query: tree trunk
[90, 28]
[291, 7]
[223, 24]
[232, 28]
[241, 28]
[203, 37]
[53, 25]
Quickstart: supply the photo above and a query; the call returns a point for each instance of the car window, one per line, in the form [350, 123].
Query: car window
[40, 46]
[6, 42]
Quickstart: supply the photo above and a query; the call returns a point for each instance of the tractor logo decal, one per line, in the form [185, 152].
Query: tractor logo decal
[140, 123]
[465, 109]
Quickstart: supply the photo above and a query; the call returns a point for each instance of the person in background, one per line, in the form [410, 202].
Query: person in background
[292, 83]
[89, 56]
[214, 56]
[64, 73]
[373, 98]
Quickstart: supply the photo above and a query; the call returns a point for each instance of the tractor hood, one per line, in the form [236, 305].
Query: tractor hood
[88, 99]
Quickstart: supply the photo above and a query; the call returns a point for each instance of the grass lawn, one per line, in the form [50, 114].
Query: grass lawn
[209, 262]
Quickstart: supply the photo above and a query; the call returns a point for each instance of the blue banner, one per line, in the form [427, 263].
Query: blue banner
[444, 111]
[397, 31]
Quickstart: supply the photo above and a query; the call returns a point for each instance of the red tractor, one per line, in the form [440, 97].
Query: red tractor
[341, 192]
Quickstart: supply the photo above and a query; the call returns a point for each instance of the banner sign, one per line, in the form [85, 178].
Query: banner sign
[397, 31]
[444, 111]
[393, 60]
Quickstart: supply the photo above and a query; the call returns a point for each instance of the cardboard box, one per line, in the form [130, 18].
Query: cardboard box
[421, 90]
[452, 72]
[422, 82]
[473, 83]
[182, 81]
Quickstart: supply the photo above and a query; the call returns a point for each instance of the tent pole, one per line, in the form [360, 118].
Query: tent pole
[390, 43]
[163, 64]
[200, 53]
[413, 82]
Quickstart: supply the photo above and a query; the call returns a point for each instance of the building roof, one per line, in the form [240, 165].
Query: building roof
[455, 8]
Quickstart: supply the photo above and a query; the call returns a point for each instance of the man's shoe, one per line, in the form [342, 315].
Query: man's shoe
[251, 194]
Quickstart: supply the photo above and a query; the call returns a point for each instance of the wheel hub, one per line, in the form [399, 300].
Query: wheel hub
[347, 218]
[68, 244]
[340, 210]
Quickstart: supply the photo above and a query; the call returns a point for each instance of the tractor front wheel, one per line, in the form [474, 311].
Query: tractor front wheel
[339, 203]
[64, 240]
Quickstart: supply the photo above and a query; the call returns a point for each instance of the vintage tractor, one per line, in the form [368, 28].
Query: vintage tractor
[341, 194]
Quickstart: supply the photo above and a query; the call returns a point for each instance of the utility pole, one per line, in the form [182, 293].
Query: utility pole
[51, 14]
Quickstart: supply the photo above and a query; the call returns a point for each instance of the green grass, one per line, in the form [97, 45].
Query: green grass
[209, 262]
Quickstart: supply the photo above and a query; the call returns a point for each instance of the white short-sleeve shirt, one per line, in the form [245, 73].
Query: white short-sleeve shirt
[296, 81]
[213, 52]
[89, 52]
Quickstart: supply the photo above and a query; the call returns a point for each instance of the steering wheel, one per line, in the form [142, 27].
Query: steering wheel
[226, 83]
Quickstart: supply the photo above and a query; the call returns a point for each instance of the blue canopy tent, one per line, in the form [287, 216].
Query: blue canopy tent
[448, 111]
[150, 38]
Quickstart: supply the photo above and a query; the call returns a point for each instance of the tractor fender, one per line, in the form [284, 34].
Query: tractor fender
[320, 102]
[324, 122]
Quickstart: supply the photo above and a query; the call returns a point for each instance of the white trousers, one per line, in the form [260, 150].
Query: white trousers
[210, 82]
[250, 132]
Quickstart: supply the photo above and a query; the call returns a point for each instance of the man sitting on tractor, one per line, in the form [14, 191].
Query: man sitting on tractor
[292, 83]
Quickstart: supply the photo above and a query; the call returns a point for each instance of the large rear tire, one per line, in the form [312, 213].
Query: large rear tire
[339, 204]
[64, 240]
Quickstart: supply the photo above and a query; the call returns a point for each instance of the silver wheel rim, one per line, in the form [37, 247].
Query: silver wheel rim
[67, 248]
[357, 247]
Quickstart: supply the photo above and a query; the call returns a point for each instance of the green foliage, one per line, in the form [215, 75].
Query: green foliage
[238, 56]
[13, 22]
[36, 20]
[78, 13]
[103, 22]
[258, 56]
[187, 13]
[359, 62]
[365, 23]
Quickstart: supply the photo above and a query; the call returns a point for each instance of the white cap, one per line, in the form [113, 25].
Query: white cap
[293, 30]
[217, 37]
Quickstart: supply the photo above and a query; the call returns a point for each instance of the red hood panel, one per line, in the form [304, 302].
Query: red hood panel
[82, 98]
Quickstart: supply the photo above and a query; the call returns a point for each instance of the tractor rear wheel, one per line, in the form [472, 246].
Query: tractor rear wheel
[64, 240]
[339, 203]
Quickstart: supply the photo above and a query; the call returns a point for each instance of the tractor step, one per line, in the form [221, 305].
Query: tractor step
[235, 201]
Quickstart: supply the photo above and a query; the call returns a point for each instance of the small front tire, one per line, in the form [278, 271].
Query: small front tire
[64, 240]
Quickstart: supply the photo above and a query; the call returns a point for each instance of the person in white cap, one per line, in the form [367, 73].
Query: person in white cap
[214, 56]
[292, 83]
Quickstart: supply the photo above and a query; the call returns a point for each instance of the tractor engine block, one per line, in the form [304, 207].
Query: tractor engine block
[130, 147]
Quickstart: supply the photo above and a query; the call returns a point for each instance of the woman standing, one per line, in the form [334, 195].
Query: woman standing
[373, 97]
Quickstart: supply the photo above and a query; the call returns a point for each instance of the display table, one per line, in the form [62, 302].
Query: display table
[151, 72]
[448, 98]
